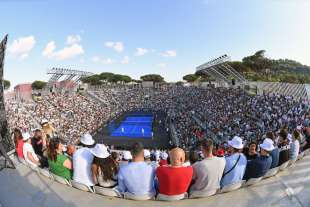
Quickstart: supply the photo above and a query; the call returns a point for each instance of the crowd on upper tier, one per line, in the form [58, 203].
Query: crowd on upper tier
[166, 173]
[222, 112]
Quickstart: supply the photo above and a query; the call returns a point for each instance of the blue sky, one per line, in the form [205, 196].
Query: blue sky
[136, 37]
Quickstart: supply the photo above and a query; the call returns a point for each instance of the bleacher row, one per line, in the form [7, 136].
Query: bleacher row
[298, 91]
[114, 193]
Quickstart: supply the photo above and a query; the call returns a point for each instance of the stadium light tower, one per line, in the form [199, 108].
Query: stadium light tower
[221, 71]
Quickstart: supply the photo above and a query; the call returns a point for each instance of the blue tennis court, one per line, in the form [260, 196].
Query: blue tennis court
[134, 126]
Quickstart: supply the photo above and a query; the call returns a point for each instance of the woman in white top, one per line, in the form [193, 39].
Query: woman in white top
[30, 156]
[104, 167]
[295, 145]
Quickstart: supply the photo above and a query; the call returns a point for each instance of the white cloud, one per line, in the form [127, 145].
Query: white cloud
[162, 65]
[169, 53]
[95, 59]
[105, 61]
[49, 49]
[72, 39]
[125, 60]
[141, 51]
[68, 52]
[22, 46]
[65, 53]
[117, 46]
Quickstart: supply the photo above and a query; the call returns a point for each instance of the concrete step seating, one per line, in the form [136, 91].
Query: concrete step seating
[114, 193]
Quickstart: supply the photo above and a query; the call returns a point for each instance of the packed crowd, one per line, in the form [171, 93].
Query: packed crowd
[70, 115]
[141, 172]
[222, 113]
[251, 134]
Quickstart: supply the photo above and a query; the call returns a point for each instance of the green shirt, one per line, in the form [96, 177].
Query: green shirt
[57, 167]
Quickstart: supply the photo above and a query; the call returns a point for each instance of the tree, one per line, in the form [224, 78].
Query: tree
[106, 76]
[126, 78]
[152, 77]
[258, 61]
[190, 78]
[38, 85]
[239, 66]
[7, 84]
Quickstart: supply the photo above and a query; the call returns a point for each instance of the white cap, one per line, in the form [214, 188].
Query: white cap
[267, 145]
[100, 150]
[299, 127]
[164, 155]
[236, 142]
[147, 153]
[127, 155]
[26, 136]
[87, 139]
[44, 121]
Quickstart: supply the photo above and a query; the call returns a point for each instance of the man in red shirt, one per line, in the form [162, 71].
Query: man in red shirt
[174, 179]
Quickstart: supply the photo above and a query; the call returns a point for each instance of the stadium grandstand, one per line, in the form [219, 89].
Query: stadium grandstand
[167, 143]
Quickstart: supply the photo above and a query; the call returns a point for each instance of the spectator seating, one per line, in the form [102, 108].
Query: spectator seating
[271, 172]
[162, 197]
[252, 181]
[46, 173]
[115, 193]
[284, 165]
[202, 194]
[107, 191]
[61, 180]
[81, 186]
[131, 196]
[232, 187]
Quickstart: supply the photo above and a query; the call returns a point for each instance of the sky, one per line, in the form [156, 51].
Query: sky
[137, 37]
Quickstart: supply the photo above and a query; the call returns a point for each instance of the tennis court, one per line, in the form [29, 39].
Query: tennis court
[134, 126]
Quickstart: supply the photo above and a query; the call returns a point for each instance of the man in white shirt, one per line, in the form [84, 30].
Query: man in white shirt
[30, 156]
[82, 161]
[208, 172]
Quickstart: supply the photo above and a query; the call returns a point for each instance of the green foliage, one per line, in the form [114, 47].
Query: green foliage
[38, 85]
[190, 78]
[152, 77]
[258, 67]
[7, 84]
[106, 77]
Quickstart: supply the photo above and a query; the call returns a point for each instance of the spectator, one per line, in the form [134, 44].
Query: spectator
[193, 157]
[70, 150]
[235, 163]
[163, 159]
[126, 158]
[59, 164]
[82, 161]
[284, 147]
[104, 168]
[261, 164]
[39, 145]
[187, 162]
[275, 152]
[252, 153]
[137, 177]
[295, 145]
[28, 152]
[174, 179]
[47, 128]
[19, 143]
[307, 138]
[115, 157]
[208, 172]
[37, 142]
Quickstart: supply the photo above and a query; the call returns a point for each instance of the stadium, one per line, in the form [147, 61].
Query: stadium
[230, 133]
